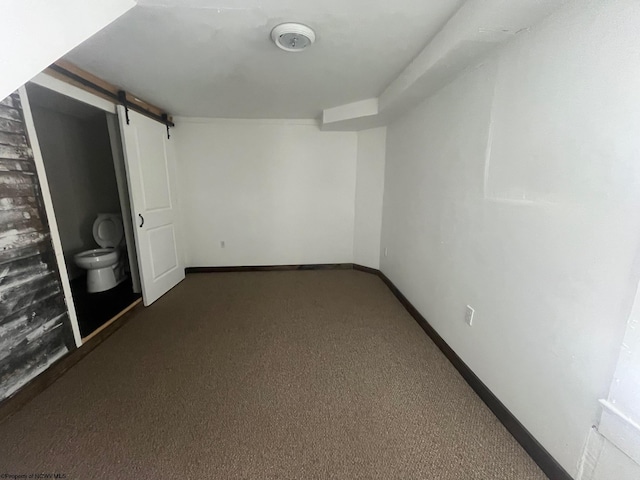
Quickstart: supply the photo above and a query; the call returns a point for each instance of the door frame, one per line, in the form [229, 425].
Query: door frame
[71, 91]
[51, 216]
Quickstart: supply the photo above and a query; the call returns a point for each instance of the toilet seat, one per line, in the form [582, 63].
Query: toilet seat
[97, 256]
[107, 230]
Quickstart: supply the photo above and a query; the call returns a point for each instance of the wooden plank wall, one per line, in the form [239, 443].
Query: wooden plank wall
[35, 329]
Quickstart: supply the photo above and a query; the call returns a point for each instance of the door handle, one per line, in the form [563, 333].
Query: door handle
[141, 220]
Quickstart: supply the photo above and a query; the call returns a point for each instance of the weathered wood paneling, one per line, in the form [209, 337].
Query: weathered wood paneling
[13, 139]
[12, 101]
[9, 126]
[35, 329]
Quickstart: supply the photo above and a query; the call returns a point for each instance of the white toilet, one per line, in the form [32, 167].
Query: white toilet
[105, 265]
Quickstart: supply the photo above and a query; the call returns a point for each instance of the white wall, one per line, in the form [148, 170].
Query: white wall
[276, 192]
[515, 189]
[81, 176]
[369, 192]
[612, 464]
[39, 32]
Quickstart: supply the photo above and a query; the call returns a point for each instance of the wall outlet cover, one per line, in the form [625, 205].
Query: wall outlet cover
[468, 315]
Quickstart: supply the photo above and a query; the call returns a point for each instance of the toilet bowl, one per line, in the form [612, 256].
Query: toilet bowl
[105, 265]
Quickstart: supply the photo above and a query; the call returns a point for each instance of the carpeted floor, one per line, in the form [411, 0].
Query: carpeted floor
[266, 375]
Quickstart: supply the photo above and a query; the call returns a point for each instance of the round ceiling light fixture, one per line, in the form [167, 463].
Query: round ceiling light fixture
[292, 37]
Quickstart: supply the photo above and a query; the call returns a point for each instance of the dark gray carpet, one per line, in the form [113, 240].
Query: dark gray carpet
[266, 375]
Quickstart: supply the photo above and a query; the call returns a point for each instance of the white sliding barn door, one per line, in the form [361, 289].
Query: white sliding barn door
[150, 165]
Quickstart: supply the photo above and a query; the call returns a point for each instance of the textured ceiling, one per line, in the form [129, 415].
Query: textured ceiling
[212, 58]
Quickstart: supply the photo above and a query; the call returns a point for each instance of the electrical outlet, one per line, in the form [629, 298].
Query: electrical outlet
[386, 251]
[222, 244]
[468, 315]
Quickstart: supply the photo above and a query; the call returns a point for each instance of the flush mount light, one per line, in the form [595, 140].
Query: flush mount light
[292, 37]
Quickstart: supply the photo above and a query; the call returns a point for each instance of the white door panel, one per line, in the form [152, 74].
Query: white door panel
[151, 176]
[154, 171]
[162, 241]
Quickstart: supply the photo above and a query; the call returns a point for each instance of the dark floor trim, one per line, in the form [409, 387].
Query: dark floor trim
[370, 270]
[271, 268]
[37, 385]
[536, 451]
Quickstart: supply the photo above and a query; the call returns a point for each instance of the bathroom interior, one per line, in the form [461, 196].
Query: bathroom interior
[83, 159]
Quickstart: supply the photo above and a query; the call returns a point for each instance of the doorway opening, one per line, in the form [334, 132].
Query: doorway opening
[84, 163]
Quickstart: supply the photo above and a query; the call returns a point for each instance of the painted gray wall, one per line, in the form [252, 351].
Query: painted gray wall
[79, 165]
